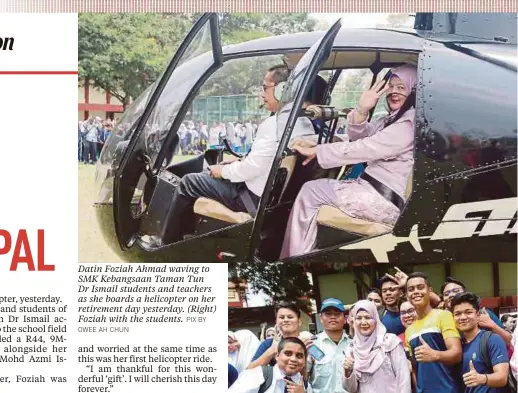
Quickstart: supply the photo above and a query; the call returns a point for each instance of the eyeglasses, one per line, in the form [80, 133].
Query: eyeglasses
[408, 312]
[453, 291]
[267, 86]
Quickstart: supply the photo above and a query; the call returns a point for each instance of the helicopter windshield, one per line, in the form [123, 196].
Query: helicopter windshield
[196, 60]
[292, 87]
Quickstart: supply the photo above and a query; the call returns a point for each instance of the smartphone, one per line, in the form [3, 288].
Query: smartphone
[316, 352]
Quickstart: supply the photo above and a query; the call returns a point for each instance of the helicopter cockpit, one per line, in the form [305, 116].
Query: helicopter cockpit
[142, 162]
[159, 171]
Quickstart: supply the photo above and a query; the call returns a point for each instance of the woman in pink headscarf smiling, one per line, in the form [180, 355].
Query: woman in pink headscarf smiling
[386, 145]
[378, 362]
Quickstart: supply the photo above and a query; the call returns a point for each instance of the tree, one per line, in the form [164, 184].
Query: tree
[124, 53]
[278, 281]
[240, 76]
[273, 24]
[288, 23]
[244, 76]
[358, 80]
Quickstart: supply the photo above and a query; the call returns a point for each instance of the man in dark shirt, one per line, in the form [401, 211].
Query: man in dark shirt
[391, 294]
[392, 289]
[477, 375]
[487, 320]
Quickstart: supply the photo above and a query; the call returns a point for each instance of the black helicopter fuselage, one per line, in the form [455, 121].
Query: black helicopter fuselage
[462, 205]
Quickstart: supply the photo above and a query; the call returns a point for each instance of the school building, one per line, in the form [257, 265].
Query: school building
[495, 283]
[96, 102]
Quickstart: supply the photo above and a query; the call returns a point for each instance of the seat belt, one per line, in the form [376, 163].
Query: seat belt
[250, 206]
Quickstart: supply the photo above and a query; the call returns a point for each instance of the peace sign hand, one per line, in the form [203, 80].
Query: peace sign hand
[293, 387]
[370, 98]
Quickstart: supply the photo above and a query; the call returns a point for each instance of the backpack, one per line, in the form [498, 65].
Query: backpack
[484, 352]
[268, 379]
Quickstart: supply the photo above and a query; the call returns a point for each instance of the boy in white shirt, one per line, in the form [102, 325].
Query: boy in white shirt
[284, 377]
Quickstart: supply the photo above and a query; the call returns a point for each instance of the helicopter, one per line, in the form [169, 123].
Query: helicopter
[462, 203]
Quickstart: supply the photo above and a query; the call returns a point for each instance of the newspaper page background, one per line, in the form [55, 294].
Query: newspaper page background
[40, 197]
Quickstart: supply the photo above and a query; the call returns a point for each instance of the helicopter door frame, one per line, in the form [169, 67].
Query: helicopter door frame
[134, 163]
[323, 50]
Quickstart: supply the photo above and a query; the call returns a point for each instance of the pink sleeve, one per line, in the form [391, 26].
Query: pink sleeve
[385, 144]
[350, 384]
[358, 131]
[402, 369]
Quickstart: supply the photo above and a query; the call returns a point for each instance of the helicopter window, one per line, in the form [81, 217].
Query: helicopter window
[197, 58]
[349, 87]
[228, 99]
[226, 109]
[334, 225]
[194, 61]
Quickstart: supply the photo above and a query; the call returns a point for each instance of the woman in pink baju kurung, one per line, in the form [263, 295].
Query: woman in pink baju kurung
[387, 148]
[378, 362]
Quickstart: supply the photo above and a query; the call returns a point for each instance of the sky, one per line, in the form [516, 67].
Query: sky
[357, 20]
[353, 20]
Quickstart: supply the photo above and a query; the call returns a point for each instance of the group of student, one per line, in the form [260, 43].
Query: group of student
[196, 138]
[402, 338]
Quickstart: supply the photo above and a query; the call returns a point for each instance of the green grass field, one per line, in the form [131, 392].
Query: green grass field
[92, 247]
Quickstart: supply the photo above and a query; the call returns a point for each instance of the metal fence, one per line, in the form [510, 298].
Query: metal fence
[345, 99]
[214, 109]
[227, 108]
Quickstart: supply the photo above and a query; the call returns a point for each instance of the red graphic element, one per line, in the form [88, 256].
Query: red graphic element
[22, 251]
[38, 72]
[101, 107]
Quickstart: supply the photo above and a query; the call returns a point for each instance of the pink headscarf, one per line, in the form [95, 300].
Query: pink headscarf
[370, 352]
[408, 75]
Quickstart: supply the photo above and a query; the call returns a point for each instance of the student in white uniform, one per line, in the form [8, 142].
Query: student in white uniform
[331, 348]
[284, 377]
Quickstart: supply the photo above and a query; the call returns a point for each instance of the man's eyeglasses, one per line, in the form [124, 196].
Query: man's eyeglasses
[453, 291]
[408, 312]
[267, 86]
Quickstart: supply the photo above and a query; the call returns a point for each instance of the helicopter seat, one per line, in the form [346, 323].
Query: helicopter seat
[333, 217]
[216, 210]
[286, 170]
